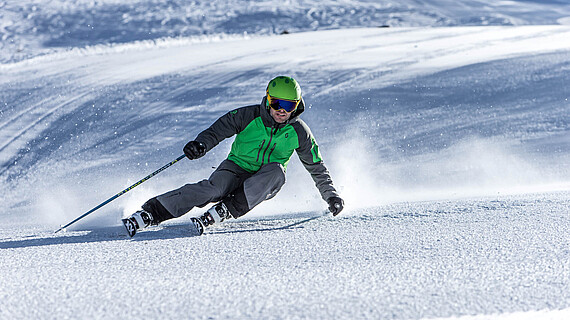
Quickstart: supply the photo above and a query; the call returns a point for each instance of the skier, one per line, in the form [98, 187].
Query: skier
[254, 171]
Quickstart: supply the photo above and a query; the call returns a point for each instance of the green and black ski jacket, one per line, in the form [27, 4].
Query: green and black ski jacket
[260, 140]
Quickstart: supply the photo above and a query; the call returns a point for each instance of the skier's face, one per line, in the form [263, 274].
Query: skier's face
[280, 116]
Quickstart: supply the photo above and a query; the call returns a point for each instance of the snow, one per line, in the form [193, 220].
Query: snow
[32, 27]
[447, 135]
[407, 260]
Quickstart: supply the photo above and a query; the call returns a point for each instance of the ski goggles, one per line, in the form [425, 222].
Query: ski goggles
[287, 105]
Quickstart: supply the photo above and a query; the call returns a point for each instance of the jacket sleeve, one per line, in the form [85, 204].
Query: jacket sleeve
[226, 126]
[311, 159]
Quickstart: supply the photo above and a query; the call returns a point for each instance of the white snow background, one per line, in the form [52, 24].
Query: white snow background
[447, 134]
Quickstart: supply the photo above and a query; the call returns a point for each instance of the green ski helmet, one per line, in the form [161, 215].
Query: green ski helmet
[284, 88]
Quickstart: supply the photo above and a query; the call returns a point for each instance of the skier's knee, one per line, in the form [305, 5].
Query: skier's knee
[277, 171]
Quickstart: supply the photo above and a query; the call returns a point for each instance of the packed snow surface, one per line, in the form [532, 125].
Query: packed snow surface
[447, 135]
[402, 261]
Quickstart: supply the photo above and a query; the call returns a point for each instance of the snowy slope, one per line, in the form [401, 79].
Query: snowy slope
[407, 97]
[489, 256]
[450, 146]
[32, 27]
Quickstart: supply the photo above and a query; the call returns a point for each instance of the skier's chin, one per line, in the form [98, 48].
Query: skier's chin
[278, 118]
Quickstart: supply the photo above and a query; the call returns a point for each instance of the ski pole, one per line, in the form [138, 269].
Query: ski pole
[122, 192]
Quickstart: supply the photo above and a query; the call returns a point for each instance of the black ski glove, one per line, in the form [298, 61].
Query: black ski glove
[336, 205]
[194, 150]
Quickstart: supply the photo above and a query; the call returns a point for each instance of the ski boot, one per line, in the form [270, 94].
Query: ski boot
[139, 220]
[215, 214]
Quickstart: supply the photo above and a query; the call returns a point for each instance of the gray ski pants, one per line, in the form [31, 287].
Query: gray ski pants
[238, 189]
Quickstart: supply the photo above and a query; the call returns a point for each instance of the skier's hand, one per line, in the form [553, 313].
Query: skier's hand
[336, 204]
[194, 150]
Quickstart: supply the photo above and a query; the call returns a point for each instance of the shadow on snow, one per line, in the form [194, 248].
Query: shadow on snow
[117, 233]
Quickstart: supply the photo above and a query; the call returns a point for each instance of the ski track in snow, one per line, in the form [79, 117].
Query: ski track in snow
[450, 146]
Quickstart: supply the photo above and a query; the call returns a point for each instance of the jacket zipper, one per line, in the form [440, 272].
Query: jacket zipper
[268, 144]
[270, 152]
[260, 148]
